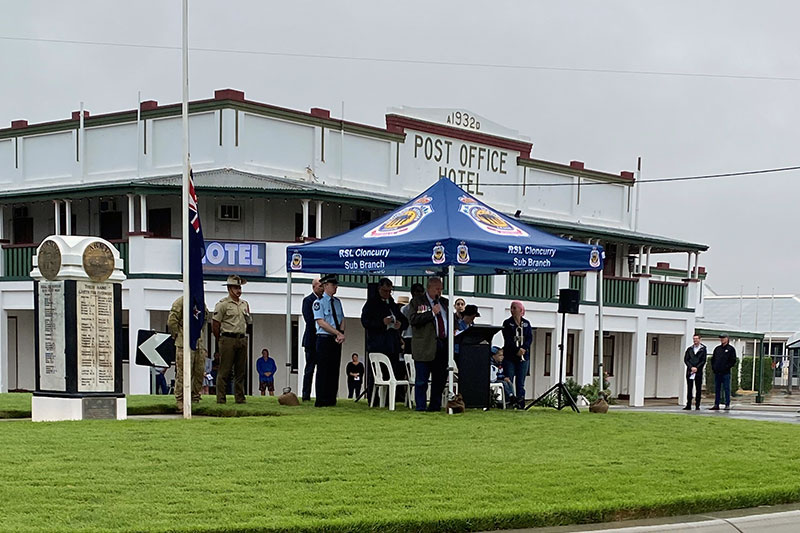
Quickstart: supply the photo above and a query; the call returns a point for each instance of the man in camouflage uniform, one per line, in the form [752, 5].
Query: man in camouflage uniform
[230, 321]
[175, 325]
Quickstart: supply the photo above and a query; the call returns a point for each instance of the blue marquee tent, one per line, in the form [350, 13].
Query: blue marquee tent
[443, 230]
[442, 227]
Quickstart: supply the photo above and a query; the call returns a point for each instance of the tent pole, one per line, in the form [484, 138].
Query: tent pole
[600, 376]
[289, 329]
[450, 340]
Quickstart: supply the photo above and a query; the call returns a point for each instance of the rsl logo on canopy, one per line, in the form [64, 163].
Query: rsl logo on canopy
[487, 219]
[404, 221]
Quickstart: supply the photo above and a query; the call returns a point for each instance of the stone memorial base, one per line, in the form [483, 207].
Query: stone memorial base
[54, 408]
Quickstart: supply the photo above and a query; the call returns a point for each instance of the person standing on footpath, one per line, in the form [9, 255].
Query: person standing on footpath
[695, 361]
[329, 316]
[266, 368]
[429, 322]
[231, 318]
[722, 360]
[310, 337]
[198, 356]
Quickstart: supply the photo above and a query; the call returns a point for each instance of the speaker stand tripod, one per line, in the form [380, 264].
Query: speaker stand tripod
[563, 397]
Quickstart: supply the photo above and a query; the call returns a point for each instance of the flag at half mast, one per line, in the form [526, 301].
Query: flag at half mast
[197, 249]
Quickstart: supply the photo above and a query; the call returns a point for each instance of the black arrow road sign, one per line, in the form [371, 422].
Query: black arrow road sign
[154, 349]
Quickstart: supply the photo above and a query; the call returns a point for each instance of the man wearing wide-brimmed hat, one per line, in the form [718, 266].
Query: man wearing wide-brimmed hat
[230, 321]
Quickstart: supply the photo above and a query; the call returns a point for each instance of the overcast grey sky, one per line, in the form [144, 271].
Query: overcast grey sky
[716, 105]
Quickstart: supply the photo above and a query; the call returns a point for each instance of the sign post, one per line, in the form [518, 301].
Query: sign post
[78, 330]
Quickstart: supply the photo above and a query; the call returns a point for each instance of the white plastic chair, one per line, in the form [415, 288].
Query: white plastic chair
[411, 373]
[381, 384]
[498, 388]
[411, 376]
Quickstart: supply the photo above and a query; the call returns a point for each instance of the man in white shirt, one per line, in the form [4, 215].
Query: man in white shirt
[695, 361]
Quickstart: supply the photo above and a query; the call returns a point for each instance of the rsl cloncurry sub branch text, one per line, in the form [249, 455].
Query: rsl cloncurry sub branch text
[523, 256]
[361, 264]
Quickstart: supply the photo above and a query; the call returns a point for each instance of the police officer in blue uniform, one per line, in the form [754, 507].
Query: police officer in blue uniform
[329, 316]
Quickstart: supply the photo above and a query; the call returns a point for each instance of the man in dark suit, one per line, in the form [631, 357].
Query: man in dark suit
[310, 337]
[384, 323]
[429, 331]
[695, 361]
[722, 360]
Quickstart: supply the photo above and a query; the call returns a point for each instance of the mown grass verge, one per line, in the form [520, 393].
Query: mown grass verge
[352, 468]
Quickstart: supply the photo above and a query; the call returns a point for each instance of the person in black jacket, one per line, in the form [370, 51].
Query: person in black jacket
[310, 337]
[384, 323]
[723, 359]
[517, 340]
[695, 361]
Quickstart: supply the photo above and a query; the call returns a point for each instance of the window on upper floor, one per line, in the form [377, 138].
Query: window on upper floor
[298, 225]
[159, 222]
[21, 225]
[229, 212]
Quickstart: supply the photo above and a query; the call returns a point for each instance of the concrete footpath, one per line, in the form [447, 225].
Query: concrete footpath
[775, 519]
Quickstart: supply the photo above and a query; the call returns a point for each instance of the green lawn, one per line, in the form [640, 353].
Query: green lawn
[352, 468]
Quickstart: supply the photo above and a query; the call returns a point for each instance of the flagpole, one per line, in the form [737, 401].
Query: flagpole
[187, 348]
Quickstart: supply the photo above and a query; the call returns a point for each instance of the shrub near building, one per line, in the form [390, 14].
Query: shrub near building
[766, 374]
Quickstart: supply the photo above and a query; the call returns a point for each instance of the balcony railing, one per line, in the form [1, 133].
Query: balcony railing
[18, 258]
[358, 280]
[619, 291]
[666, 294]
[483, 284]
[532, 286]
[577, 282]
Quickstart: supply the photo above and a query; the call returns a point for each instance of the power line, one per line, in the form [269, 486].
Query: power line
[652, 180]
[410, 61]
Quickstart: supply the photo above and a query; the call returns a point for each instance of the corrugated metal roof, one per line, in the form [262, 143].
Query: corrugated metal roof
[715, 328]
[785, 315]
[229, 178]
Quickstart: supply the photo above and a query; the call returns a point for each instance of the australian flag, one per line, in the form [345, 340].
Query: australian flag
[197, 249]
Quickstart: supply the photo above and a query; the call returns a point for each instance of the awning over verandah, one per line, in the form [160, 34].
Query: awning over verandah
[443, 230]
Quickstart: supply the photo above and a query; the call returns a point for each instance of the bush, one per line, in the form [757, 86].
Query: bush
[747, 374]
[573, 388]
[592, 392]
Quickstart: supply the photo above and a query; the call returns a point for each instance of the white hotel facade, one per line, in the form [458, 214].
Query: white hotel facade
[268, 176]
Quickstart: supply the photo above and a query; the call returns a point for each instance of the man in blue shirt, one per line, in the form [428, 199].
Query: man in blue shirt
[329, 316]
[266, 368]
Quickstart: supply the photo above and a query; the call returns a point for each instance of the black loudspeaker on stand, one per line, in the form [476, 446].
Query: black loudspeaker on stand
[568, 303]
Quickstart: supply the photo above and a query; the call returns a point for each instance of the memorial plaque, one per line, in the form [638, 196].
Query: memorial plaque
[99, 408]
[52, 343]
[95, 320]
[98, 261]
[49, 260]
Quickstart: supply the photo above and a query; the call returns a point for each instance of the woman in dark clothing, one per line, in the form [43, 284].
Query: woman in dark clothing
[517, 339]
[355, 375]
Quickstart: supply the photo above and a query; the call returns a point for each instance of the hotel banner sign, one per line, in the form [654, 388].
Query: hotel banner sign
[235, 257]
